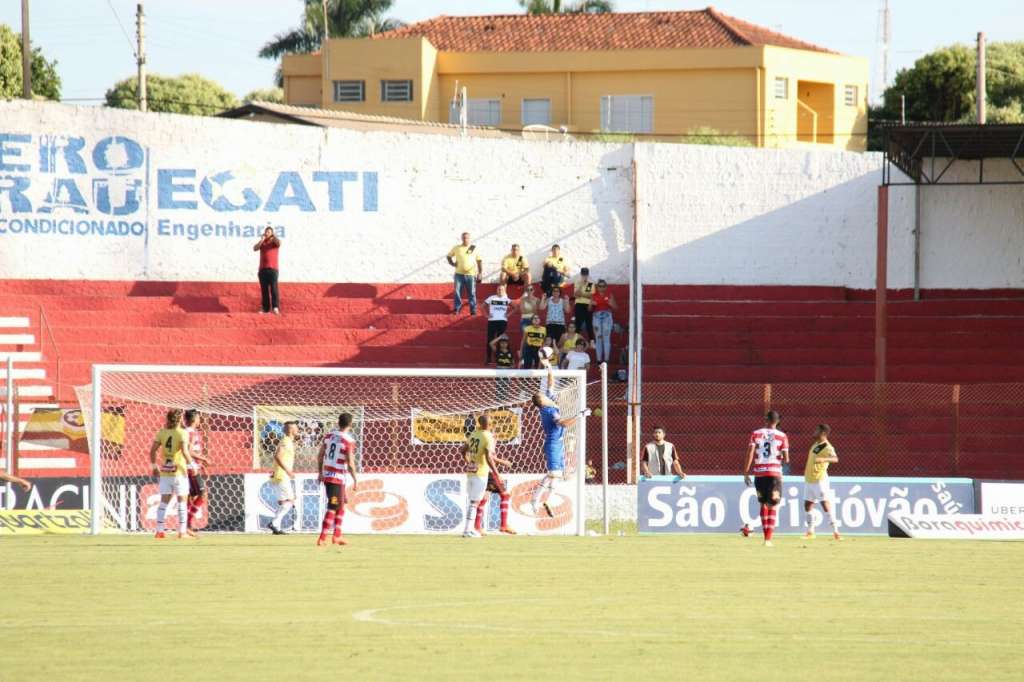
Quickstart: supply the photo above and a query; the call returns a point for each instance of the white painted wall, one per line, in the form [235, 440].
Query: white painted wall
[707, 215]
[428, 190]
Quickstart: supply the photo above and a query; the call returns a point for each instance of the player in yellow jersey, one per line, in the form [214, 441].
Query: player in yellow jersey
[171, 443]
[283, 477]
[816, 486]
[479, 453]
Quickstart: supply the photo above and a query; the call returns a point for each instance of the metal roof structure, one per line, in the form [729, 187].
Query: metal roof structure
[924, 152]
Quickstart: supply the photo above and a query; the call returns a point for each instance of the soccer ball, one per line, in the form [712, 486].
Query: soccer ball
[546, 353]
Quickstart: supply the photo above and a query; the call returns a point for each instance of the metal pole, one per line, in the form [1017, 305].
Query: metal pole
[903, 110]
[604, 447]
[324, 49]
[981, 78]
[95, 453]
[581, 457]
[881, 283]
[10, 425]
[140, 56]
[917, 241]
[26, 54]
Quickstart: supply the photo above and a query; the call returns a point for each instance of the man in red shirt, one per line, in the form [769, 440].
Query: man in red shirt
[268, 247]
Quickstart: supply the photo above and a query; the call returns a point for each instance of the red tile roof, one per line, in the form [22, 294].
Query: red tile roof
[586, 32]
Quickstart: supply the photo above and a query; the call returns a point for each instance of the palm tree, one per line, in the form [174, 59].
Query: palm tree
[345, 18]
[571, 7]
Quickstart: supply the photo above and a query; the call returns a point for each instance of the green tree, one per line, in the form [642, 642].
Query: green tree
[942, 85]
[713, 136]
[45, 81]
[265, 95]
[345, 18]
[187, 94]
[1004, 72]
[570, 7]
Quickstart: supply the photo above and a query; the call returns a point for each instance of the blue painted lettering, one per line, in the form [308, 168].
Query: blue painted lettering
[217, 190]
[14, 186]
[68, 147]
[64, 195]
[335, 186]
[370, 192]
[167, 188]
[7, 148]
[118, 155]
[279, 196]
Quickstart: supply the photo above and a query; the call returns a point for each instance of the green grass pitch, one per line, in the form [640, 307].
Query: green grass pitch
[442, 608]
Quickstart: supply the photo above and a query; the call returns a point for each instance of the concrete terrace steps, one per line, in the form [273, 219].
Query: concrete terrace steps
[235, 304]
[310, 320]
[290, 291]
[765, 324]
[932, 308]
[290, 335]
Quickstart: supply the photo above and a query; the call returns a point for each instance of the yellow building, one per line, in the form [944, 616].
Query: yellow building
[662, 74]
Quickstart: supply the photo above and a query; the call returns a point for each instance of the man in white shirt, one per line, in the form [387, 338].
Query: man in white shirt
[498, 307]
[578, 358]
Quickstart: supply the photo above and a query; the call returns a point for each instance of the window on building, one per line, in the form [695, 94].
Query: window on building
[396, 91]
[850, 95]
[349, 91]
[627, 113]
[781, 88]
[479, 112]
[536, 112]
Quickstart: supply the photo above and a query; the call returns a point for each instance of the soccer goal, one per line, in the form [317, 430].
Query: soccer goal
[409, 427]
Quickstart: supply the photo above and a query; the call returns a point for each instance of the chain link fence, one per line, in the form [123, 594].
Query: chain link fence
[894, 429]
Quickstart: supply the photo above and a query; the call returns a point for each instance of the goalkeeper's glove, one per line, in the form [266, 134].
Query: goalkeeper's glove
[586, 412]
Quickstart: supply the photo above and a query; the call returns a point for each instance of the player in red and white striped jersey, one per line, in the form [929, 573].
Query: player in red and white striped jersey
[196, 469]
[337, 458]
[768, 451]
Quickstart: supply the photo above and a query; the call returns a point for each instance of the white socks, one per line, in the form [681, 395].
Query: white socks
[161, 512]
[182, 515]
[809, 518]
[471, 515]
[282, 511]
[546, 484]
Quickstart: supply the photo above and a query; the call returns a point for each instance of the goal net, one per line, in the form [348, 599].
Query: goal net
[409, 426]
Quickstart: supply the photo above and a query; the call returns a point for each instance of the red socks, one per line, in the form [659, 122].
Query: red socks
[768, 517]
[339, 516]
[328, 524]
[479, 522]
[193, 509]
[504, 510]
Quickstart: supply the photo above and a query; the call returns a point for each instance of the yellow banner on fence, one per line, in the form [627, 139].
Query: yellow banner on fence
[44, 521]
[506, 424]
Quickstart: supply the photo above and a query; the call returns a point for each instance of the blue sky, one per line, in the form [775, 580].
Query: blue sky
[220, 38]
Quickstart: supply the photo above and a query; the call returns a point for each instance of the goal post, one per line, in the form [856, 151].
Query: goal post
[409, 425]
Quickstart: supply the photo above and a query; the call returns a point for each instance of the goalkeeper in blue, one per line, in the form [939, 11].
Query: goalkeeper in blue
[554, 424]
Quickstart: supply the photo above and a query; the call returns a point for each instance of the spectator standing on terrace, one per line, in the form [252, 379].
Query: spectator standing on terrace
[583, 291]
[268, 247]
[660, 457]
[578, 358]
[568, 340]
[529, 305]
[557, 310]
[515, 269]
[602, 305]
[556, 269]
[468, 265]
[498, 306]
[533, 338]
